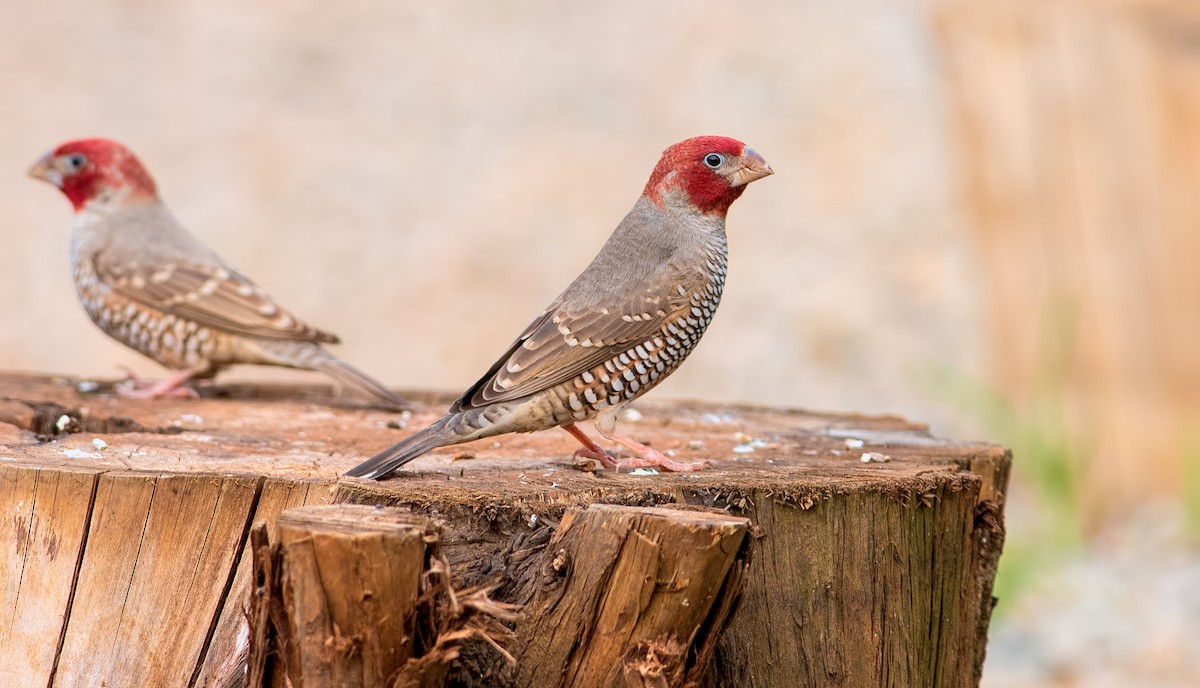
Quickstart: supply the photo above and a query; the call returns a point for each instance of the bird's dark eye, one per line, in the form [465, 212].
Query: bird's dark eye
[76, 161]
[714, 160]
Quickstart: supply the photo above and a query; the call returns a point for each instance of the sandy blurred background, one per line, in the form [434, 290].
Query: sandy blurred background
[985, 214]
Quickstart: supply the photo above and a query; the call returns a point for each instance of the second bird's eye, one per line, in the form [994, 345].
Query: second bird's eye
[76, 162]
[714, 160]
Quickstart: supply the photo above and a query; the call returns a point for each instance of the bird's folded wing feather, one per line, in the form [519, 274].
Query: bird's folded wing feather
[210, 295]
[564, 342]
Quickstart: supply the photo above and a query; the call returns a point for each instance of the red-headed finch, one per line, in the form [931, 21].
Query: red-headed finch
[621, 327]
[153, 286]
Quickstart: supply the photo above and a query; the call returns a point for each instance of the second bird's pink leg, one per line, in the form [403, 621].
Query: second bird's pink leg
[590, 450]
[172, 386]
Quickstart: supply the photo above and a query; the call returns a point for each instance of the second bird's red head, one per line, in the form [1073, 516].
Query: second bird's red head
[87, 169]
[710, 171]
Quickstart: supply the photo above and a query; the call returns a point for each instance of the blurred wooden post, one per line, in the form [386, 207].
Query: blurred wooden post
[631, 597]
[1080, 150]
[348, 584]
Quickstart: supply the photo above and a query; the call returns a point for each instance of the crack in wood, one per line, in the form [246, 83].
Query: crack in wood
[87, 524]
[229, 580]
[134, 567]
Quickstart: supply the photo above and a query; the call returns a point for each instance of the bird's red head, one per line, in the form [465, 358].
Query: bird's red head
[86, 169]
[712, 171]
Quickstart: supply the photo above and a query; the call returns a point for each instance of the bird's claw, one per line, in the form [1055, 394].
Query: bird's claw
[650, 458]
[658, 460]
[587, 456]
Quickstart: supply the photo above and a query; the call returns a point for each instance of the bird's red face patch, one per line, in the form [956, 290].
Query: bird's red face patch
[91, 166]
[693, 166]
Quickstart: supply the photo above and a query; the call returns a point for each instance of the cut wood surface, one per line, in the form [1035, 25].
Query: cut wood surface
[862, 573]
[46, 515]
[159, 552]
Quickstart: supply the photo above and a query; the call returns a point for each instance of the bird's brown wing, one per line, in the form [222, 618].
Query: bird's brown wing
[210, 295]
[565, 342]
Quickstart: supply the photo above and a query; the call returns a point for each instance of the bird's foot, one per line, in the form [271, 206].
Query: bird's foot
[143, 388]
[589, 450]
[647, 457]
[602, 457]
[656, 459]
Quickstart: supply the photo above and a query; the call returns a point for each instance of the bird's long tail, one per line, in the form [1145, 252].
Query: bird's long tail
[345, 374]
[387, 461]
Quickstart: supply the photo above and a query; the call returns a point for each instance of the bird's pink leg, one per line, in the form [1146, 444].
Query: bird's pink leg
[647, 456]
[590, 449]
[173, 386]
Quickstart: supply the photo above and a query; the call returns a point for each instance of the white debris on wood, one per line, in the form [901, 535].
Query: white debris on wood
[895, 438]
[747, 444]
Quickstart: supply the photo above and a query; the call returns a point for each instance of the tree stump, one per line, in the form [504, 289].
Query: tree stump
[873, 551]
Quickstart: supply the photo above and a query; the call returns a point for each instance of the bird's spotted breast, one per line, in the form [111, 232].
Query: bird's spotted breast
[634, 371]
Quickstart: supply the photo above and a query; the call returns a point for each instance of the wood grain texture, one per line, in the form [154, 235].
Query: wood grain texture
[160, 552]
[45, 516]
[349, 579]
[624, 593]
[869, 588]
[226, 650]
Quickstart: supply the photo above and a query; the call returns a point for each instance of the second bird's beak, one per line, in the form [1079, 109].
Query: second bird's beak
[45, 170]
[753, 167]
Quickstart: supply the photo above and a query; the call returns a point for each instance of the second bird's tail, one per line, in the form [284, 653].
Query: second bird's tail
[387, 461]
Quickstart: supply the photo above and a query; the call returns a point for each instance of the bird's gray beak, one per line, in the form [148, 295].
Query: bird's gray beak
[46, 170]
[753, 167]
